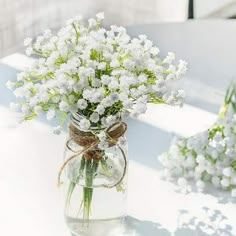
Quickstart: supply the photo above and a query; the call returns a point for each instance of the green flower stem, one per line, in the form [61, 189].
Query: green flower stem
[72, 184]
[69, 194]
[90, 171]
[229, 100]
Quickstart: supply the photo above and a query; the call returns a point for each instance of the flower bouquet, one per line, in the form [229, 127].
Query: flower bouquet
[209, 156]
[94, 78]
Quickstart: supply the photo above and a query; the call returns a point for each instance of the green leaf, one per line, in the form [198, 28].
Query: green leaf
[233, 164]
[230, 96]
[31, 117]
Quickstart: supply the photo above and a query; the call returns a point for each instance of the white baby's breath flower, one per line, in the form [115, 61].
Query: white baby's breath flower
[51, 114]
[25, 109]
[215, 181]
[57, 130]
[38, 110]
[102, 136]
[20, 76]
[29, 51]
[142, 78]
[110, 120]
[205, 157]
[128, 104]
[94, 117]
[92, 23]
[114, 97]
[27, 42]
[84, 124]
[227, 171]
[190, 162]
[106, 79]
[106, 102]
[100, 15]
[100, 109]
[225, 182]
[64, 106]
[134, 114]
[182, 182]
[154, 51]
[200, 159]
[210, 169]
[114, 63]
[182, 68]
[102, 66]
[54, 39]
[82, 104]
[19, 92]
[169, 58]
[10, 85]
[141, 108]
[113, 85]
[96, 83]
[47, 33]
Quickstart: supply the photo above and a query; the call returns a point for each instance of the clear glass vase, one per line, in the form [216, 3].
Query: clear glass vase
[94, 181]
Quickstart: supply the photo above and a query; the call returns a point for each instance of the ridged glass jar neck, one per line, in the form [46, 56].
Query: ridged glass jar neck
[75, 118]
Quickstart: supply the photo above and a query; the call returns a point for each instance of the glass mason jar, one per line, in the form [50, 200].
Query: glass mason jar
[94, 180]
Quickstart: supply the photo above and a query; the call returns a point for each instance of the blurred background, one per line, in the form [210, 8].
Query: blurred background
[21, 18]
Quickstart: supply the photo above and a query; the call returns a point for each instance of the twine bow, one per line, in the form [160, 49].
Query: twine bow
[89, 141]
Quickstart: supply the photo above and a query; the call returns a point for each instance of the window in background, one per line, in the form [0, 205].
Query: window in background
[215, 8]
[22, 18]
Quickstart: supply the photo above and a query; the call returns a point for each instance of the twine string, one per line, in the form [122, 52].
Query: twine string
[89, 141]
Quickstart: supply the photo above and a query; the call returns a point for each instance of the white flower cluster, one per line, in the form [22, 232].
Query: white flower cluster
[209, 156]
[104, 75]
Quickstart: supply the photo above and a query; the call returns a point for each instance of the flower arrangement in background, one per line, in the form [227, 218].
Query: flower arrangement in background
[209, 156]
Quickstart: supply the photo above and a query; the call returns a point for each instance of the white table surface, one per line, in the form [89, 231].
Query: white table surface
[30, 156]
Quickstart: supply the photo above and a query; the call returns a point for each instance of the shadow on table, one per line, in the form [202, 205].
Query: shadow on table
[208, 223]
[220, 195]
[136, 227]
[146, 142]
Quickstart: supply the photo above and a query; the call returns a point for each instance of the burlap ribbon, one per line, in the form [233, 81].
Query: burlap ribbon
[90, 142]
